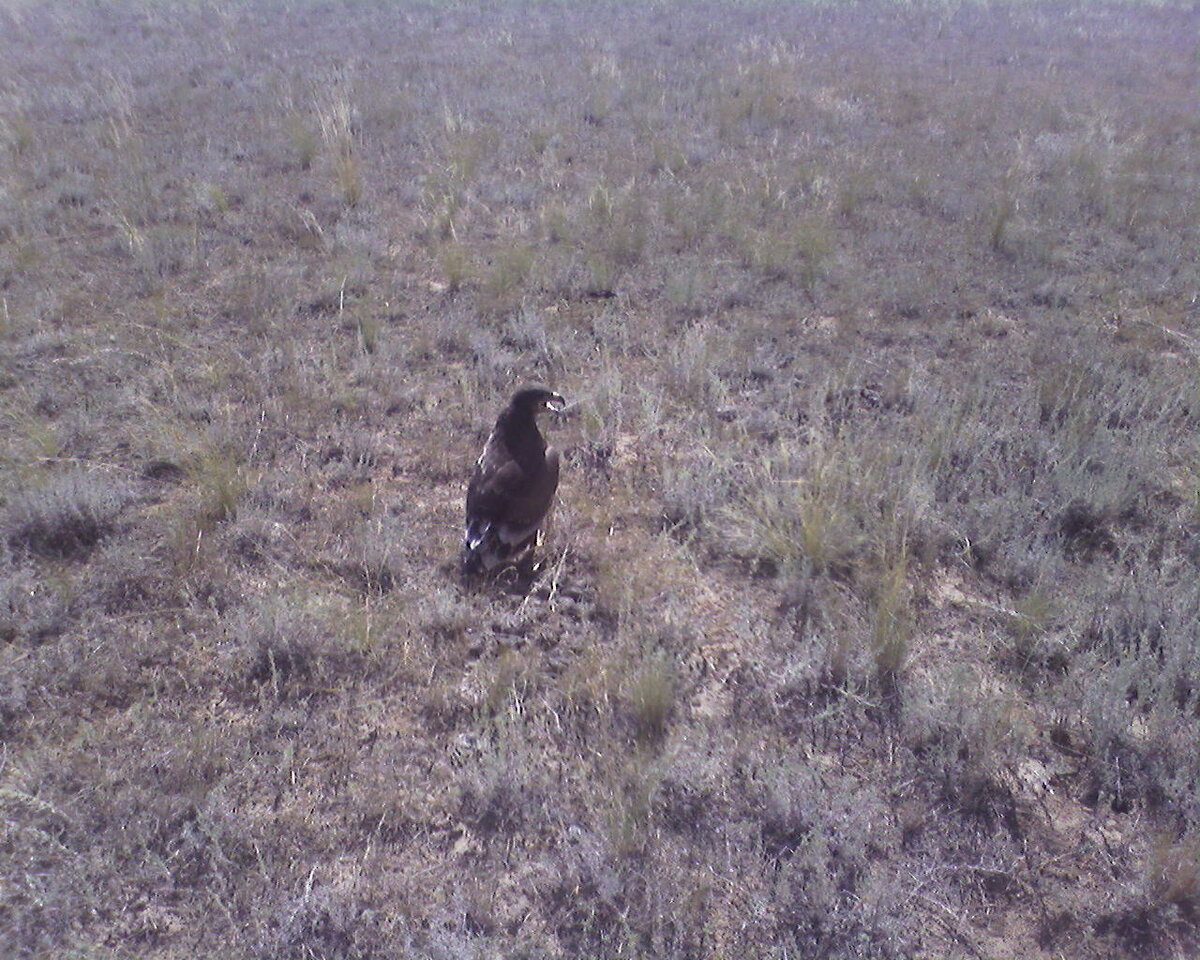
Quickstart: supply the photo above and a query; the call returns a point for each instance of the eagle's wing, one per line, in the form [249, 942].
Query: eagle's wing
[492, 490]
[511, 495]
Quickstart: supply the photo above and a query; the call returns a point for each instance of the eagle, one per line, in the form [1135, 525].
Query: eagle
[512, 487]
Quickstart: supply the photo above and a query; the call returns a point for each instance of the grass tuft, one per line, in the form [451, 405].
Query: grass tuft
[652, 701]
[221, 482]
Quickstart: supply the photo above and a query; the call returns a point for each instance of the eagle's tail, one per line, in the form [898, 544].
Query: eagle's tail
[484, 551]
[480, 548]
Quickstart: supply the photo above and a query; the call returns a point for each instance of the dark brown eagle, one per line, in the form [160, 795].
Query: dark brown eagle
[512, 487]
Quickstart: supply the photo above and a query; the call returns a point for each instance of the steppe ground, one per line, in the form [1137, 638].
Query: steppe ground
[868, 619]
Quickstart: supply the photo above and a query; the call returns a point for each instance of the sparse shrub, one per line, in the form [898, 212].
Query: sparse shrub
[692, 364]
[126, 576]
[1031, 617]
[18, 133]
[1173, 871]
[466, 147]
[42, 439]
[455, 265]
[601, 277]
[756, 98]
[695, 775]
[539, 139]
[303, 139]
[892, 625]
[444, 617]
[798, 253]
[502, 791]
[212, 197]
[812, 245]
[368, 328]
[504, 282]
[967, 735]
[254, 300]
[1000, 223]
[631, 809]
[338, 119]
[651, 698]
[32, 607]
[666, 157]
[778, 519]
[529, 332]
[221, 481]
[301, 227]
[504, 687]
[556, 222]
[620, 225]
[375, 628]
[376, 564]
[695, 486]
[1187, 481]
[133, 237]
[444, 202]
[686, 292]
[285, 648]
[348, 173]
[857, 186]
[592, 684]
[818, 833]
[66, 516]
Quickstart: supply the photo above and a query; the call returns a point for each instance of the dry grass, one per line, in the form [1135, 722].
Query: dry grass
[868, 621]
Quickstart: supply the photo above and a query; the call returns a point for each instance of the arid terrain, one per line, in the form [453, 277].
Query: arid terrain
[868, 624]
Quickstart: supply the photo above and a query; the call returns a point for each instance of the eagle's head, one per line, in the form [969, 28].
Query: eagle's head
[534, 400]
